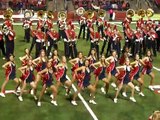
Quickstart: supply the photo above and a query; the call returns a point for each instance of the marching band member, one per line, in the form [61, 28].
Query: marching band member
[82, 23]
[9, 39]
[52, 37]
[27, 25]
[123, 78]
[116, 44]
[8, 21]
[2, 43]
[138, 41]
[100, 73]
[126, 22]
[24, 59]
[62, 25]
[41, 22]
[94, 39]
[145, 30]
[100, 22]
[72, 44]
[10, 74]
[84, 82]
[110, 38]
[48, 24]
[147, 69]
[89, 24]
[105, 37]
[140, 23]
[48, 83]
[151, 41]
[38, 39]
[129, 36]
[27, 78]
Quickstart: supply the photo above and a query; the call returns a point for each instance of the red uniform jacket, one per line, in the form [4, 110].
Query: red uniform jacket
[27, 24]
[53, 35]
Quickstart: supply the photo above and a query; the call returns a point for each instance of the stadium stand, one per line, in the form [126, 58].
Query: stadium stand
[23, 4]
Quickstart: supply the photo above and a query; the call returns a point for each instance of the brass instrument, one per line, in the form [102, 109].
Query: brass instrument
[8, 13]
[62, 15]
[101, 13]
[130, 13]
[80, 11]
[149, 12]
[28, 14]
[50, 15]
[90, 14]
[141, 13]
[40, 14]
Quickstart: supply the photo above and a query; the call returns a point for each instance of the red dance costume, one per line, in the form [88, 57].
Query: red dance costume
[147, 68]
[111, 66]
[28, 75]
[134, 71]
[11, 71]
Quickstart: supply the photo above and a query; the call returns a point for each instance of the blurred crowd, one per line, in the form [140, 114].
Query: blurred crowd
[23, 4]
[103, 4]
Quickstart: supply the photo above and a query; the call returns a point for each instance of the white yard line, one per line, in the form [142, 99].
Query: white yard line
[84, 102]
[156, 68]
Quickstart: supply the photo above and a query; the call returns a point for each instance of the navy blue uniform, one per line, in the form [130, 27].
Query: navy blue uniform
[102, 74]
[87, 77]
[48, 79]
[127, 77]
[63, 79]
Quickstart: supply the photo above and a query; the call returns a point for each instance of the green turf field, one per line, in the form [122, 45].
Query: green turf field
[106, 109]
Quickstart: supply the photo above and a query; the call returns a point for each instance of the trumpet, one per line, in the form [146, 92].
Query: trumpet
[130, 13]
[62, 15]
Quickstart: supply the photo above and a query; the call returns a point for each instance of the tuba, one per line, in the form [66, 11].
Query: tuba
[28, 14]
[101, 13]
[149, 12]
[90, 14]
[141, 13]
[40, 14]
[130, 13]
[80, 11]
[62, 15]
[50, 15]
[8, 14]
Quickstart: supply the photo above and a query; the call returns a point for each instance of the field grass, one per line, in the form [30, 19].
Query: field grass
[106, 109]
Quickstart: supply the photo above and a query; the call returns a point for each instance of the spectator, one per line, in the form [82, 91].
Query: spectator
[110, 14]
